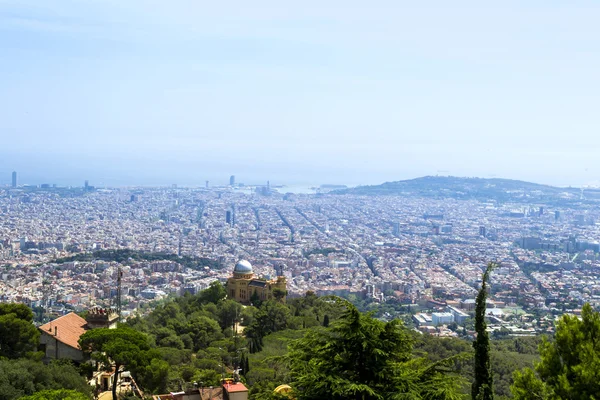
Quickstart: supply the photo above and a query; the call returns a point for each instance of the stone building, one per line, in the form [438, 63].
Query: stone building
[243, 284]
[59, 338]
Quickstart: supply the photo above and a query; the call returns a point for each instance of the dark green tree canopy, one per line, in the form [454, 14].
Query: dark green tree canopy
[27, 377]
[18, 336]
[272, 316]
[117, 347]
[570, 365]
[362, 358]
[21, 311]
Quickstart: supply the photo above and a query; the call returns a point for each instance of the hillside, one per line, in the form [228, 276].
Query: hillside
[468, 188]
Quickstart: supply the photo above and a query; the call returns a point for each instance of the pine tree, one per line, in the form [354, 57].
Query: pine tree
[361, 358]
[326, 321]
[482, 386]
[568, 367]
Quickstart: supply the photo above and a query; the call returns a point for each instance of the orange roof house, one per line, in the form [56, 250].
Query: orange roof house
[234, 391]
[59, 338]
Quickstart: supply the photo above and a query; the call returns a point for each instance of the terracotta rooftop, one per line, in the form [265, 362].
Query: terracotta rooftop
[66, 329]
[232, 387]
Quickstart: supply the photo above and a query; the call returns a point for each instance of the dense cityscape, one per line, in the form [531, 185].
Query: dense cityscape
[400, 249]
[299, 200]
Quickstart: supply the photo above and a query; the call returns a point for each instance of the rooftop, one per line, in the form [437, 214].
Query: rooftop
[232, 387]
[66, 329]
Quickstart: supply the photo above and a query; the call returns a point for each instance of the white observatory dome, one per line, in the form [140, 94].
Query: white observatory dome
[243, 267]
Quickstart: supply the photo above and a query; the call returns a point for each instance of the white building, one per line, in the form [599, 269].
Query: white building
[459, 316]
[442, 318]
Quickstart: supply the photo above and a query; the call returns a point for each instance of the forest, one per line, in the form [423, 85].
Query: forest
[323, 347]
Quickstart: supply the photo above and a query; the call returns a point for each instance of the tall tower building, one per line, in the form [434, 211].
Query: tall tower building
[396, 228]
[232, 180]
[14, 179]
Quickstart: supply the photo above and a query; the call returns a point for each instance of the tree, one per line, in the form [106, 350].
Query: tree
[279, 294]
[155, 375]
[569, 366]
[115, 348]
[203, 330]
[326, 321]
[482, 388]
[21, 311]
[229, 313]
[24, 377]
[213, 294]
[244, 364]
[255, 299]
[271, 317]
[18, 336]
[60, 394]
[359, 357]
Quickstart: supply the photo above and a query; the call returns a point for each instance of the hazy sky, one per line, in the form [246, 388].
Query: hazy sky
[158, 92]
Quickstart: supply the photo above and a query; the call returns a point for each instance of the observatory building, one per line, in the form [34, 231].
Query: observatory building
[243, 284]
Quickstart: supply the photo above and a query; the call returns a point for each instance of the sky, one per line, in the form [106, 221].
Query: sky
[145, 92]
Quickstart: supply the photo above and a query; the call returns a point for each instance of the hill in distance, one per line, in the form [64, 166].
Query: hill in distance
[505, 190]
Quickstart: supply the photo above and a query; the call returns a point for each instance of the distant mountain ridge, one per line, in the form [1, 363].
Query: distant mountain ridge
[470, 188]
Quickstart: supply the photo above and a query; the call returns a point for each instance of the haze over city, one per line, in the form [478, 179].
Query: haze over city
[349, 92]
[299, 200]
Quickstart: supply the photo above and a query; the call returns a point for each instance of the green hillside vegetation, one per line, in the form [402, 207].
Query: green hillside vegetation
[59, 394]
[271, 328]
[321, 346]
[23, 377]
[569, 365]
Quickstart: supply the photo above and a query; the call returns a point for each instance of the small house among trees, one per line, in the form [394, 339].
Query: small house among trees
[59, 338]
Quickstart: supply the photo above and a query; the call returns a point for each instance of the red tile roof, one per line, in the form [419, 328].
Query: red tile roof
[234, 387]
[68, 329]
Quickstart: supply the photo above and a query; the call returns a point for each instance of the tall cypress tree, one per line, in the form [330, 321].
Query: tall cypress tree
[482, 386]
[242, 365]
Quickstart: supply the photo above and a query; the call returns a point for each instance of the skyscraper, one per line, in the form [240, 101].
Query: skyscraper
[14, 179]
[232, 180]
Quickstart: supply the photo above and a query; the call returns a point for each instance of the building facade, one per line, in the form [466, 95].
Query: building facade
[59, 338]
[243, 284]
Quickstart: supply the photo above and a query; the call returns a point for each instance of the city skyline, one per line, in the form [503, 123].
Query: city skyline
[343, 92]
[222, 181]
[239, 187]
